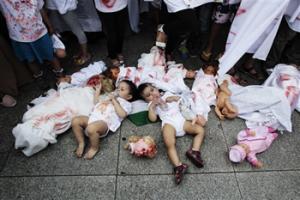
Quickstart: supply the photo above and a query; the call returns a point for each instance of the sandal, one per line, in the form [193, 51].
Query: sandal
[205, 56]
[83, 60]
[179, 172]
[8, 101]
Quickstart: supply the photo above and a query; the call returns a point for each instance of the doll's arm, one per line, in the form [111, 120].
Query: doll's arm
[231, 108]
[251, 157]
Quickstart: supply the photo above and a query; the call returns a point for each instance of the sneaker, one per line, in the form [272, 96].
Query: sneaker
[195, 157]
[179, 172]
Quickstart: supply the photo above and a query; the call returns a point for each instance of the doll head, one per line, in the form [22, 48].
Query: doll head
[127, 90]
[107, 84]
[238, 153]
[148, 92]
[112, 72]
[141, 146]
[211, 68]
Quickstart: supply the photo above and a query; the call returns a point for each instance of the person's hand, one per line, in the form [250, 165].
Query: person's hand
[112, 96]
[154, 103]
[172, 98]
[98, 88]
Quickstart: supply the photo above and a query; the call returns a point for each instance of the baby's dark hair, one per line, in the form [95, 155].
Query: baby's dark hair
[213, 63]
[141, 89]
[132, 90]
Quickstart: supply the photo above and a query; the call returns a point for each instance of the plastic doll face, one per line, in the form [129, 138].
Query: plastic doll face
[123, 90]
[150, 93]
[115, 73]
[139, 148]
[210, 70]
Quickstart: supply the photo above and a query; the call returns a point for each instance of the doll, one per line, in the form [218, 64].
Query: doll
[141, 146]
[251, 142]
[224, 108]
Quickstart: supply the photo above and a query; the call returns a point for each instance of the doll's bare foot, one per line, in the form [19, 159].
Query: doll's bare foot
[90, 153]
[79, 150]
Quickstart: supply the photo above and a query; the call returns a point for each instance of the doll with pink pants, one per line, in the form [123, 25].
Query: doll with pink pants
[250, 142]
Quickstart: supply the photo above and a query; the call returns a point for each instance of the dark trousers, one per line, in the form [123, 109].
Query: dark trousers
[114, 27]
[178, 24]
[284, 44]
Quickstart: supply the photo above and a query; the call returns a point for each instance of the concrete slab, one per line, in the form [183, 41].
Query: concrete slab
[59, 159]
[3, 159]
[75, 187]
[205, 186]
[213, 146]
[269, 185]
[282, 154]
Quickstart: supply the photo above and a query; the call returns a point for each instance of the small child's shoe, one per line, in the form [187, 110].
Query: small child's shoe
[179, 172]
[195, 157]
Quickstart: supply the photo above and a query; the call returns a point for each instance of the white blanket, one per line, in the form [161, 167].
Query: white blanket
[287, 78]
[253, 30]
[42, 123]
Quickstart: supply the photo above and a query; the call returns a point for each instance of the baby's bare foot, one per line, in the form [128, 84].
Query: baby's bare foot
[79, 150]
[90, 153]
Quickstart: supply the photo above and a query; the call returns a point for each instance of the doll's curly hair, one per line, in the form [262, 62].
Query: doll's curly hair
[152, 150]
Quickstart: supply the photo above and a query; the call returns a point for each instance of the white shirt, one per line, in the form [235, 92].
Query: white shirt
[178, 5]
[292, 15]
[62, 6]
[24, 20]
[111, 6]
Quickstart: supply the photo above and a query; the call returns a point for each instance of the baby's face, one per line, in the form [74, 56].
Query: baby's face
[123, 91]
[210, 70]
[150, 93]
[115, 73]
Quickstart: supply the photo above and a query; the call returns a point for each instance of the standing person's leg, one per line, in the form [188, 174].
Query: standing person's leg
[70, 18]
[109, 27]
[284, 35]
[121, 19]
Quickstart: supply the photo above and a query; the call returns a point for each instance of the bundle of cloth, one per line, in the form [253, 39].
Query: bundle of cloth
[52, 113]
[249, 34]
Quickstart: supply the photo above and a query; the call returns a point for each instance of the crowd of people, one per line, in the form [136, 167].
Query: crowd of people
[194, 25]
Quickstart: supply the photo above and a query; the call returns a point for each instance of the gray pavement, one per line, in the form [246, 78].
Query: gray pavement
[55, 173]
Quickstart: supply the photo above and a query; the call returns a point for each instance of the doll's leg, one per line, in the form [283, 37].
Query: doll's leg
[78, 124]
[194, 153]
[169, 135]
[95, 130]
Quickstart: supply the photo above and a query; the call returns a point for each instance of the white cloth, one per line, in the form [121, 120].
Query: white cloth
[262, 105]
[287, 78]
[113, 5]
[57, 43]
[292, 15]
[178, 5]
[80, 78]
[205, 86]
[249, 34]
[62, 6]
[170, 114]
[106, 112]
[42, 123]
[24, 20]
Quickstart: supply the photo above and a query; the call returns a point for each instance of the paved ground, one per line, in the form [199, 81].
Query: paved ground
[55, 173]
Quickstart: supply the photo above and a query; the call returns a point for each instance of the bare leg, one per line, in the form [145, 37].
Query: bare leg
[196, 130]
[95, 130]
[78, 124]
[169, 135]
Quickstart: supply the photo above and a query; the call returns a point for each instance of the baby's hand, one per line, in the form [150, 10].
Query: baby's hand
[200, 120]
[112, 95]
[98, 87]
[172, 98]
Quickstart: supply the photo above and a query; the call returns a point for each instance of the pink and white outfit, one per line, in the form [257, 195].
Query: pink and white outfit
[24, 20]
[105, 111]
[257, 139]
[170, 114]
